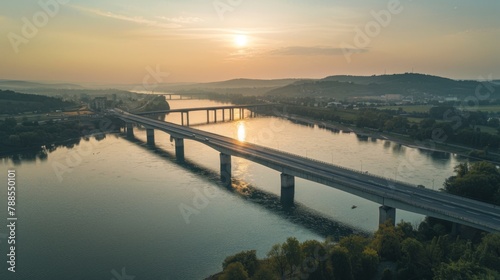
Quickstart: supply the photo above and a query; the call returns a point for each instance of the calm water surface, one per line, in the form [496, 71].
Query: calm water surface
[111, 206]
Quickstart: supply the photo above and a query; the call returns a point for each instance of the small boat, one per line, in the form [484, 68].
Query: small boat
[354, 207]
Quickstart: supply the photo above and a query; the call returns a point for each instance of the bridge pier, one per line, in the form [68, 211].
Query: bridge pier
[225, 170]
[150, 133]
[387, 213]
[231, 114]
[287, 189]
[187, 118]
[179, 149]
[223, 115]
[208, 116]
[130, 130]
[215, 116]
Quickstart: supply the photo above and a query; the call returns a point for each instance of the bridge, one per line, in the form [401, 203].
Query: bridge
[231, 112]
[390, 194]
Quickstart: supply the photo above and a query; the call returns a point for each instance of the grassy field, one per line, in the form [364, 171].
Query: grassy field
[347, 115]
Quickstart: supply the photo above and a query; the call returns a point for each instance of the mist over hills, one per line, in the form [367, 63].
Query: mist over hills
[339, 86]
[15, 85]
[401, 84]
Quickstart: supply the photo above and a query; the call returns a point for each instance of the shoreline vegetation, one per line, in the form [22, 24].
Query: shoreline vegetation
[434, 249]
[36, 123]
[431, 134]
[430, 251]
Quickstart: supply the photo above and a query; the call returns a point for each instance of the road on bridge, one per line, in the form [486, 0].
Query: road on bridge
[387, 192]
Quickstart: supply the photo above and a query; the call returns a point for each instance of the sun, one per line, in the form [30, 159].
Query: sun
[240, 40]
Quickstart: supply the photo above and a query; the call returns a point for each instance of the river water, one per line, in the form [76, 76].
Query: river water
[113, 207]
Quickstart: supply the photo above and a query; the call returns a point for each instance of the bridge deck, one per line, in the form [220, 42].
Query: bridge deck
[202, 109]
[381, 190]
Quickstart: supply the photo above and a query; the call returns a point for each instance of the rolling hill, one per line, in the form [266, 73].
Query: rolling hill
[404, 84]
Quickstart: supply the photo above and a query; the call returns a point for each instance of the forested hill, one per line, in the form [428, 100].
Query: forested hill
[13, 102]
[403, 84]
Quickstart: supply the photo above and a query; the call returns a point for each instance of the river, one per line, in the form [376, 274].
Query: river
[113, 207]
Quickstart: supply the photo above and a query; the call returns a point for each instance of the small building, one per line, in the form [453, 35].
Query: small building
[98, 104]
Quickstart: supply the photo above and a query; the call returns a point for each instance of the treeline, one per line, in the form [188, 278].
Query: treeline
[237, 99]
[442, 123]
[31, 135]
[13, 103]
[394, 252]
[158, 103]
[479, 181]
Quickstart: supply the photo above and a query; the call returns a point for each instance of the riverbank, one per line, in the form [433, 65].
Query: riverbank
[429, 145]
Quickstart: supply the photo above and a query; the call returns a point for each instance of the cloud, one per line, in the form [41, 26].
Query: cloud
[182, 19]
[312, 51]
[135, 19]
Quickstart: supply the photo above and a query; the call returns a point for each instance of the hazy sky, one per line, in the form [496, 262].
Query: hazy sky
[123, 41]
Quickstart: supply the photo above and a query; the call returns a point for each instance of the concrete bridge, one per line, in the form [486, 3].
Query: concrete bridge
[390, 194]
[231, 112]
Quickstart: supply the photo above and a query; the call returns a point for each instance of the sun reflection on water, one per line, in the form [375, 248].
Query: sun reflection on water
[242, 133]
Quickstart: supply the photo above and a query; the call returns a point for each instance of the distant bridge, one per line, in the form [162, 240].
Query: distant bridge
[389, 193]
[231, 111]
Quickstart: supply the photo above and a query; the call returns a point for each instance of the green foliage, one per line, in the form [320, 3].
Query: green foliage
[293, 254]
[158, 103]
[316, 256]
[354, 257]
[387, 241]
[369, 264]
[234, 271]
[489, 251]
[13, 103]
[264, 273]
[462, 270]
[480, 180]
[277, 260]
[342, 268]
[247, 258]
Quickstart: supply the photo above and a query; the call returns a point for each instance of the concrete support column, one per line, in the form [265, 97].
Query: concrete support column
[225, 170]
[215, 116]
[179, 149]
[130, 130]
[287, 189]
[223, 115]
[187, 117]
[182, 118]
[387, 213]
[208, 116]
[150, 136]
[231, 114]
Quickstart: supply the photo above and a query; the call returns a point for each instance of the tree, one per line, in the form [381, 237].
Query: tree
[277, 259]
[264, 273]
[413, 262]
[369, 261]
[489, 251]
[355, 245]
[316, 257]
[247, 258]
[342, 268]
[293, 254]
[480, 180]
[387, 241]
[460, 270]
[234, 271]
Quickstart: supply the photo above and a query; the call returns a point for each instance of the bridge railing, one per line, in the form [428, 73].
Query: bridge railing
[342, 167]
